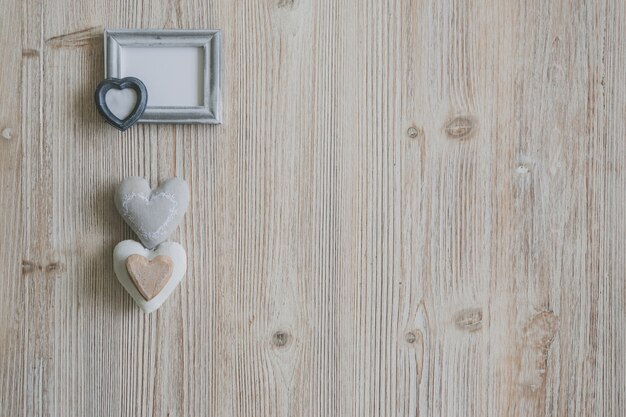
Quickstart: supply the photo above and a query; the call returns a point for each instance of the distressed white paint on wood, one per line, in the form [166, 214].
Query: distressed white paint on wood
[412, 208]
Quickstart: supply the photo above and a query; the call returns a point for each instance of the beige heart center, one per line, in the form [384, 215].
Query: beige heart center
[149, 276]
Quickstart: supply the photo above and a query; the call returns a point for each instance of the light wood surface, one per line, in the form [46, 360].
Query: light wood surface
[413, 208]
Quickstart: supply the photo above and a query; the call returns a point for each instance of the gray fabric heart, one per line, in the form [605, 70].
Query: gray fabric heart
[152, 214]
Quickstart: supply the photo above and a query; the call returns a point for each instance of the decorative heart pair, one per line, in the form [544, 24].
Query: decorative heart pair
[151, 273]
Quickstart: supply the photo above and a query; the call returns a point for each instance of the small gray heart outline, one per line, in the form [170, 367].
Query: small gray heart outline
[153, 214]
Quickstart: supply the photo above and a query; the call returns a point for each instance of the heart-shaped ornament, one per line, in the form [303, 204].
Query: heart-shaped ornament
[121, 101]
[149, 276]
[152, 214]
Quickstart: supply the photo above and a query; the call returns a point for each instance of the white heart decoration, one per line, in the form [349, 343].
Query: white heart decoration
[127, 248]
[121, 102]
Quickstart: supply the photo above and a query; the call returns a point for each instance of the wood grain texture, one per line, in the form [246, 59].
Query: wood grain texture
[413, 207]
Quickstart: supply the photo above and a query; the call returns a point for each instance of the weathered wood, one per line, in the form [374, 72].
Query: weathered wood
[12, 289]
[412, 208]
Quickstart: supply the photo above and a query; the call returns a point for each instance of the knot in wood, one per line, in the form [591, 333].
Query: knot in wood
[29, 267]
[286, 4]
[281, 339]
[413, 132]
[469, 319]
[541, 329]
[48, 270]
[7, 133]
[539, 333]
[53, 267]
[460, 128]
[414, 338]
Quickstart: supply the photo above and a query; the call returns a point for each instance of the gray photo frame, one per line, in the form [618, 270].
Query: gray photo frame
[121, 44]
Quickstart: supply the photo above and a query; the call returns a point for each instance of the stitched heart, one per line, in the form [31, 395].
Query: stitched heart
[117, 105]
[149, 276]
[152, 214]
[130, 257]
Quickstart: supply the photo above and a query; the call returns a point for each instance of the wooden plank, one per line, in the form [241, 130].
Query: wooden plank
[444, 136]
[43, 264]
[412, 208]
[11, 283]
[553, 202]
